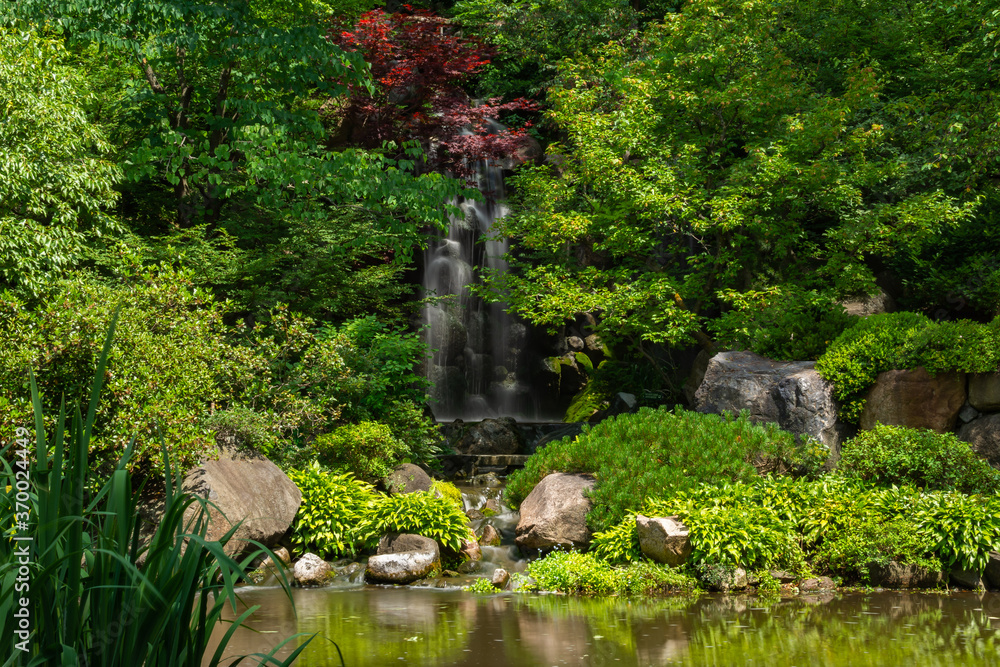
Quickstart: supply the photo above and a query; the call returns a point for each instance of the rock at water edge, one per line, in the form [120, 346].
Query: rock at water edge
[500, 578]
[245, 489]
[403, 558]
[817, 584]
[401, 568]
[555, 513]
[897, 575]
[663, 539]
[992, 572]
[310, 570]
[967, 579]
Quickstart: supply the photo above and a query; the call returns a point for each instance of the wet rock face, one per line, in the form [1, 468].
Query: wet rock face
[983, 435]
[789, 394]
[403, 559]
[663, 539]
[470, 548]
[897, 575]
[490, 437]
[311, 570]
[916, 399]
[490, 536]
[244, 488]
[555, 513]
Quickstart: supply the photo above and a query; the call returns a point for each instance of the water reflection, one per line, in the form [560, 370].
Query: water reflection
[384, 626]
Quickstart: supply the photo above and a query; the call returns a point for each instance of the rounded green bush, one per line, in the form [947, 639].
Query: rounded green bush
[894, 455]
[333, 507]
[419, 513]
[449, 491]
[903, 341]
[653, 452]
[369, 449]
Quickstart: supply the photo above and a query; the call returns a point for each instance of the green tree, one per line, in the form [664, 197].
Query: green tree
[212, 81]
[56, 177]
[716, 159]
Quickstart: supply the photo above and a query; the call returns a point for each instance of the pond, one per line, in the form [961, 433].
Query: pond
[423, 626]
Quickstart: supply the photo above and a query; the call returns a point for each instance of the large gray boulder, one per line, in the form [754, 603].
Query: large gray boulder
[407, 478]
[983, 435]
[663, 539]
[555, 513]
[248, 489]
[916, 399]
[984, 391]
[403, 559]
[790, 394]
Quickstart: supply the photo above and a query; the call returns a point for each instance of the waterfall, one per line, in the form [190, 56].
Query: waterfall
[479, 365]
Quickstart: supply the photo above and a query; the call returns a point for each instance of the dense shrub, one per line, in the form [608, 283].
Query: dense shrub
[420, 513]
[890, 455]
[619, 543]
[963, 529]
[834, 520]
[368, 449]
[573, 572]
[449, 491]
[869, 538]
[654, 452]
[169, 363]
[904, 340]
[738, 536]
[789, 325]
[333, 506]
[341, 514]
[177, 368]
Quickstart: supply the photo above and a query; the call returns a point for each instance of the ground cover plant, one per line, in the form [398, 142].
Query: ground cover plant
[836, 524]
[583, 573]
[342, 515]
[656, 452]
[888, 455]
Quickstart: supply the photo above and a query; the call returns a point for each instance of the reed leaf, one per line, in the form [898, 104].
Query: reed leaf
[99, 594]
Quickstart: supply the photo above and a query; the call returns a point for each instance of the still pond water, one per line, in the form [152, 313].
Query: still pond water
[376, 626]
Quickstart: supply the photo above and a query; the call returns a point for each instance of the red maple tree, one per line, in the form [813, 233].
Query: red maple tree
[418, 64]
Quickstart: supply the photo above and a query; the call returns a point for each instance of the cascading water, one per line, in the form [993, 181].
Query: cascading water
[478, 369]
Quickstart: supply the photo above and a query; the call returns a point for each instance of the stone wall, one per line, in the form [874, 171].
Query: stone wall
[794, 396]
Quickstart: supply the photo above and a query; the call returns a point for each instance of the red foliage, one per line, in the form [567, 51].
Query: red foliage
[418, 65]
